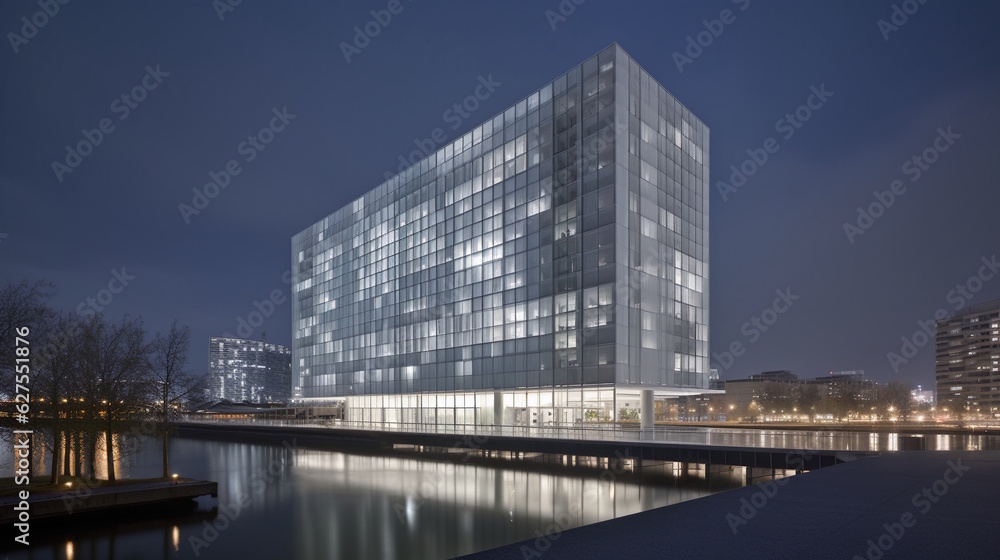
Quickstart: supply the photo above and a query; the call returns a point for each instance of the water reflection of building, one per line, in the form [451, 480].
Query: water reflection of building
[549, 267]
[967, 361]
[475, 504]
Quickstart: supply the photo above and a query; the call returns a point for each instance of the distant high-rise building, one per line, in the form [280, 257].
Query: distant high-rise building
[967, 364]
[922, 396]
[548, 267]
[249, 370]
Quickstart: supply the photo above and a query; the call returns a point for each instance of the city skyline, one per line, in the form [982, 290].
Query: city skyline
[896, 122]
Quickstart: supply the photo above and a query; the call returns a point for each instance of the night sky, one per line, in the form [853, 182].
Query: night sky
[892, 91]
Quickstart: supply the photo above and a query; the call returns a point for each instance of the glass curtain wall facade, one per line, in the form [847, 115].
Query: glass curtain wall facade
[546, 267]
[249, 370]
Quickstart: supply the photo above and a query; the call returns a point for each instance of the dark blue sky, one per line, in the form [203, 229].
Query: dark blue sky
[784, 228]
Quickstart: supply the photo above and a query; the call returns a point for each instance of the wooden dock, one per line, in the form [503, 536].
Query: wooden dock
[82, 500]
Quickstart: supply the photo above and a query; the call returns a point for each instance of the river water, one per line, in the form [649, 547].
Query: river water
[284, 502]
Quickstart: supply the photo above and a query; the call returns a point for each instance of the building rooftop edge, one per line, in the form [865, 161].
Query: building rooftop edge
[991, 305]
[614, 44]
[211, 338]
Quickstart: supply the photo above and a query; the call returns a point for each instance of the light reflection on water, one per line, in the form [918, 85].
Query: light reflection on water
[283, 502]
[305, 503]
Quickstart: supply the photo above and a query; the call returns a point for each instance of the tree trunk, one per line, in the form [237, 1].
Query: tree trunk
[110, 452]
[31, 452]
[56, 448]
[165, 427]
[93, 454]
[67, 454]
[166, 461]
[79, 454]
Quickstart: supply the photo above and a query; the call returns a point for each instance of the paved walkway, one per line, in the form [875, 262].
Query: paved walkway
[915, 505]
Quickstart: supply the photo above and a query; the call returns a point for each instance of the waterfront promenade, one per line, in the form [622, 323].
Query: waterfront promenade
[927, 504]
[673, 446]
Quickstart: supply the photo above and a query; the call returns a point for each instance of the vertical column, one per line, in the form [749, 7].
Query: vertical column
[497, 408]
[646, 409]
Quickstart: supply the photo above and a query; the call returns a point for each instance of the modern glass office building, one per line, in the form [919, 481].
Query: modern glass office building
[547, 268]
[249, 370]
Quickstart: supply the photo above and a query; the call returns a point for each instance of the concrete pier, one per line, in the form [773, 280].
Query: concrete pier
[353, 439]
[105, 498]
[928, 504]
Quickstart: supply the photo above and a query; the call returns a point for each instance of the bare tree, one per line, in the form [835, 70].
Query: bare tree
[55, 376]
[22, 303]
[117, 362]
[776, 397]
[895, 397]
[173, 383]
[86, 385]
[806, 399]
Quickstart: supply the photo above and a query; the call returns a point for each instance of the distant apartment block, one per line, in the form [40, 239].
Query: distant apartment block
[850, 385]
[967, 365]
[852, 382]
[249, 370]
